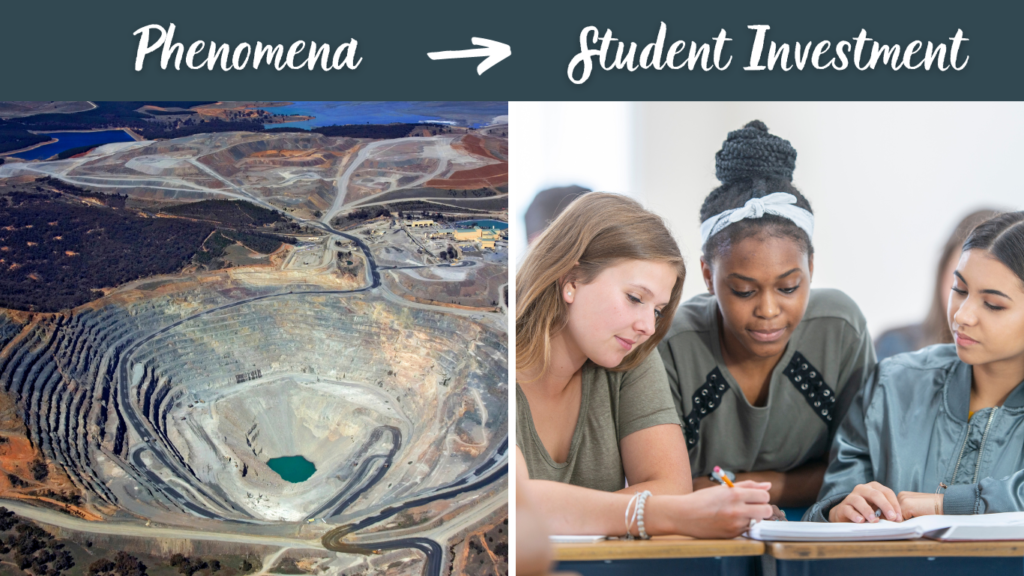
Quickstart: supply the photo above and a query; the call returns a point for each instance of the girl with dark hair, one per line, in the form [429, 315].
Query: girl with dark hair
[763, 368]
[941, 430]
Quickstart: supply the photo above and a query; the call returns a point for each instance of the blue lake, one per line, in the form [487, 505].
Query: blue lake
[66, 140]
[292, 469]
[495, 224]
[472, 114]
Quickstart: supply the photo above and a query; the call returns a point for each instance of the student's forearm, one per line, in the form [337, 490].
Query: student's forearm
[533, 549]
[575, 510]
[798, 487]
[715, 513]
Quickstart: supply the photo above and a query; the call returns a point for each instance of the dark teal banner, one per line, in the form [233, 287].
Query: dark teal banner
[379, 50]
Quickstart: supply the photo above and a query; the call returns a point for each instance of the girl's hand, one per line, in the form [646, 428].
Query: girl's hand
[861, 504]
[723, 512]
[916, 504]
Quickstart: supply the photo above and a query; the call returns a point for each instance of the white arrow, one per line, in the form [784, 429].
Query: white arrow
[494, 51]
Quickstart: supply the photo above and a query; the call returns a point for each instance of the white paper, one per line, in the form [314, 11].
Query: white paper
[829, 532]
[1009, 526]
[574, 539]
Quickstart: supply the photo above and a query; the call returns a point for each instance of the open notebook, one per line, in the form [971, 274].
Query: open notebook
[1006, 526]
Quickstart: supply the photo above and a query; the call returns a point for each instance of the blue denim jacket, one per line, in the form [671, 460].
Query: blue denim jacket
[908, 429]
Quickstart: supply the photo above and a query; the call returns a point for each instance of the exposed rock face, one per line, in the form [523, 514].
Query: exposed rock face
[169, 406]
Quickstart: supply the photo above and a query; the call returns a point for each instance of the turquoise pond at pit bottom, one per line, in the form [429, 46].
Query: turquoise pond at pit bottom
[292, 469]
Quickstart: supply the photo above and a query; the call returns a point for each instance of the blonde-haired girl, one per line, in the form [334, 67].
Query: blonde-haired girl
[595, 295]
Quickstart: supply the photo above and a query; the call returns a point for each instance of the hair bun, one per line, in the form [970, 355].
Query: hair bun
[752, 152]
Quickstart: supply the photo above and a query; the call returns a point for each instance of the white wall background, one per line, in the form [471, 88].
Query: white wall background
[561, 143]
[887, 181]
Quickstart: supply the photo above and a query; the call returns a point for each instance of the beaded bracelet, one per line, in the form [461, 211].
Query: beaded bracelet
[640, 514]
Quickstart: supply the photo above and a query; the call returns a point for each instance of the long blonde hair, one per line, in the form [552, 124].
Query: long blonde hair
[596, 231]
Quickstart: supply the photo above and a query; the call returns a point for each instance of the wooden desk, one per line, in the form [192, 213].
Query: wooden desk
[903, 557]
[657, 547]
[904, 548]
[672, 555]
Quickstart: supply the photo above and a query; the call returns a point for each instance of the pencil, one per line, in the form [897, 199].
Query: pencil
[724, 478]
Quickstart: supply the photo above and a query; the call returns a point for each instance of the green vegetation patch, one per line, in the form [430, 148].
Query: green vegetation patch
[25, 548]
[56, 255]
[439, 193]
[372, 131]
[288, 566]
[376, 131]
[359, 215]
[112, 200]
[15, 138]
[227, 212]
[216, 244]
[214, 253]
[170, 112]
[261, 243]
[75, 151]
[433, 207]
[29, 547]
[474, 205]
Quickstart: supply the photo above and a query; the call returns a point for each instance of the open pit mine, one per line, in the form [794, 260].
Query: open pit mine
[168, 406]
[176, 402]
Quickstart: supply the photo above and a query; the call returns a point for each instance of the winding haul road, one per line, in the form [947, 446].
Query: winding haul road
[493, 468]
[345, 177]
[335, 505]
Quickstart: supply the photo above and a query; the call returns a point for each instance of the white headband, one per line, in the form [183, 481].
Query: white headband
[777, 203]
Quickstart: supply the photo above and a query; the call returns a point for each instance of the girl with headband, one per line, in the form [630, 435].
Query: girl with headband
[594, 295]
[940, 431]
[763, 368]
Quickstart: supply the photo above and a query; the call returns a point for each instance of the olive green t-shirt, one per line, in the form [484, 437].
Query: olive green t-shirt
[613, 406]
[827, 359]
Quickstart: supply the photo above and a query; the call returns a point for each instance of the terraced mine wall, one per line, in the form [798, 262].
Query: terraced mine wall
[138, 400]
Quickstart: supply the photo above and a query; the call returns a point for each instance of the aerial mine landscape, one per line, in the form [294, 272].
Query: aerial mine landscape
[255, 349]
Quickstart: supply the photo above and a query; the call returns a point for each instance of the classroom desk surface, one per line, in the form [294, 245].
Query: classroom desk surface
[657, 547]
[685, 547]
[929, 548]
